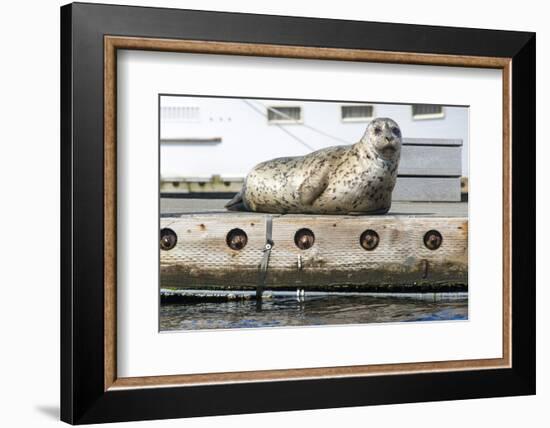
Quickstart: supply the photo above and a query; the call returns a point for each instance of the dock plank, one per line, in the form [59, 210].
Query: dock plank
[176, 206]
[426, 189]
[431, 160]
[432, 141]
[202, 258]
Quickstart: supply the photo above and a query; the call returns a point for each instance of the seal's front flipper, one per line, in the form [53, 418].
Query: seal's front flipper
[237, 203]
[312, 186]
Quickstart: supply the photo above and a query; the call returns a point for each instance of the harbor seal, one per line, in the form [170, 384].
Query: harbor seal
[357, 178]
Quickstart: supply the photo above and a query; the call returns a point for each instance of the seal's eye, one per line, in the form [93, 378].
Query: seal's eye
[377, 130]
[396, 131]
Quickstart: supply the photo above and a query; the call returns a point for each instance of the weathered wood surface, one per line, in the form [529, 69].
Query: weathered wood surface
[432, 142]
[177, 206]
[336, 261]
[431, 160]
[427, 189]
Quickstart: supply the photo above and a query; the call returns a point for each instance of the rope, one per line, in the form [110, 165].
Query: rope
[286, 116]
[253, 107]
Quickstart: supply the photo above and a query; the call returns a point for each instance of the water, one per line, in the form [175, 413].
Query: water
[316, 309]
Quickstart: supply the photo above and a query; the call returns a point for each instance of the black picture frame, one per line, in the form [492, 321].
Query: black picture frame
[83, 398]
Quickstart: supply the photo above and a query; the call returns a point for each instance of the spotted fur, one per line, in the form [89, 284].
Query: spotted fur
[335, 180]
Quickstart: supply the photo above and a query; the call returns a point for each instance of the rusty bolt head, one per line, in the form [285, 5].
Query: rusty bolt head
[168, 239]
[369, 240]
[236, 239]
[304, 239]
[433, 239]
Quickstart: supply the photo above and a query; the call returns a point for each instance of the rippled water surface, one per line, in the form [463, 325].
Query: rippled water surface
[286, 309]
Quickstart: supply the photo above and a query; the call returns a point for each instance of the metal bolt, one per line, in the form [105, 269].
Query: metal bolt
[304, 239]
[369, 240]
[236, 239]
[168, 239]
[433, 239]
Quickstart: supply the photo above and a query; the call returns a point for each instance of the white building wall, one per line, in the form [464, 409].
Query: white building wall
[247, 138]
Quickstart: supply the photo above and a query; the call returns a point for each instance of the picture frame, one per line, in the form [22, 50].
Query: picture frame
[91, 391]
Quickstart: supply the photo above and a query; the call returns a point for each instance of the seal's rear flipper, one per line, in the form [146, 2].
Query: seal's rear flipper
[237, 203]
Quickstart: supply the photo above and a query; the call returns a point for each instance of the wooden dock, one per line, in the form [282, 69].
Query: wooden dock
[416, 247]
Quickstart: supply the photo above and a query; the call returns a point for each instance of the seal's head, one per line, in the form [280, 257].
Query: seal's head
[384, 136]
